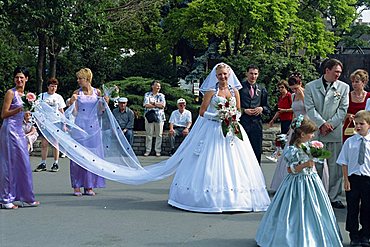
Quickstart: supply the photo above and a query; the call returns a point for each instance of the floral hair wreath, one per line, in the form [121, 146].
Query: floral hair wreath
[296, 123]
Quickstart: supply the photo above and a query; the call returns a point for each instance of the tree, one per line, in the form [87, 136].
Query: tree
[55, 24]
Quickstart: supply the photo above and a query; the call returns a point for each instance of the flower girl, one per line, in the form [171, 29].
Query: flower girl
[300, 213]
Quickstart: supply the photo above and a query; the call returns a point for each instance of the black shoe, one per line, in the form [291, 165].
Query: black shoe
[365, 242]
[40, 168]
[355, 242]
[337, 204]
[172, 152]
[54, 168]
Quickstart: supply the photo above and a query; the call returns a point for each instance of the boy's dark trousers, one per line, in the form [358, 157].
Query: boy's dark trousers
[358, 204]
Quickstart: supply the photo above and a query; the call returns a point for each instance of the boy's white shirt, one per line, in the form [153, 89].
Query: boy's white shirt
[349, 155]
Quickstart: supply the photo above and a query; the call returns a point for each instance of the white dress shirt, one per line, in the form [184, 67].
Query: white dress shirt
[349, 155]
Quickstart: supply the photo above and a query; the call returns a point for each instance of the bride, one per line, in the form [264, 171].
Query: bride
[214, 173]
[218, 173]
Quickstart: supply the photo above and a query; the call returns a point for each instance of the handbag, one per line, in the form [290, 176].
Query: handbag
[349, 131]
[151, 116]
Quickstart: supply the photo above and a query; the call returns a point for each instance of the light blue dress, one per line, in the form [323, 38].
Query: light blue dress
[300, 213]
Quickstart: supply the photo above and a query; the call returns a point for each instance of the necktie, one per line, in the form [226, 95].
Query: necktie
[251, 91]
[361, 154]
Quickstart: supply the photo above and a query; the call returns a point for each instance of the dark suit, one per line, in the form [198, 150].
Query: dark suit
[253, 124]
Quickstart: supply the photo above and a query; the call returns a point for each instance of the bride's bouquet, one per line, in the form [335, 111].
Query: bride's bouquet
[229, 116]
[315, 150]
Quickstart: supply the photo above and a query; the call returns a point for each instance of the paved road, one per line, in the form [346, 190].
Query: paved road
[123, 215]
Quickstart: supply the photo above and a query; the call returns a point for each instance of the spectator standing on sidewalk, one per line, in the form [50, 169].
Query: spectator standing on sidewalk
[55, 101]
[154, 103]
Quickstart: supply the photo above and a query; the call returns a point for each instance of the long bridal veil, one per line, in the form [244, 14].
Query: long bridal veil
[119, 162]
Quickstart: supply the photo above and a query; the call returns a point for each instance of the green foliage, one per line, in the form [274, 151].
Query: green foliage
[151, 64]
[352, 38]
[289, 26]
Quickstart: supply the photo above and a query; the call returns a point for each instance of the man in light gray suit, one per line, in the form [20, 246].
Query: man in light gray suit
[326, 102]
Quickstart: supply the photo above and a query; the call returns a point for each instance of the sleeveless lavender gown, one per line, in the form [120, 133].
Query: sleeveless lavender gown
[15, 167]
[87, 118]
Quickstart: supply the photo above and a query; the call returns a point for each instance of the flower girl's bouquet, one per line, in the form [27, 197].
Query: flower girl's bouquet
[229, 116]
[316, 151]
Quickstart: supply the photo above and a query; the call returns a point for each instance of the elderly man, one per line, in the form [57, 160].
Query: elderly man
[326, 102]
[180, 122]
[125, 118]
[154, 103]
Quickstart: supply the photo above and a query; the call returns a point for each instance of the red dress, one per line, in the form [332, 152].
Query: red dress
[353, 108]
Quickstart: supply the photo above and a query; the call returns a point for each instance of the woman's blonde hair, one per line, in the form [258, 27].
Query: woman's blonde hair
[85, 73]
[222, 66]
[360, 74]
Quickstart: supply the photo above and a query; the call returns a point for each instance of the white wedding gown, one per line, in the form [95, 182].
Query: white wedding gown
[217, 173]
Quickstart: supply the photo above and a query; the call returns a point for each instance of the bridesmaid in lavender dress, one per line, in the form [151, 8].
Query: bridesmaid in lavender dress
[87, 117]
[295, 84]
[15, 167]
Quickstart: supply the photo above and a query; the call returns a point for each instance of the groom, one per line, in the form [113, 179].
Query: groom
[254, 103]
[326, 102]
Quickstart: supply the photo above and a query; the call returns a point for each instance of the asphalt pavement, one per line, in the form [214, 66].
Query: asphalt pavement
[124, 215]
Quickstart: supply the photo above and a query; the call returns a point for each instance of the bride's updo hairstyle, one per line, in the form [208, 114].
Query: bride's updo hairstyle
[301, 125]
[222, 66]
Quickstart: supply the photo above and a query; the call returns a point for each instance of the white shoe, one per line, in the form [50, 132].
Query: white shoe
[271, 158]
[158, 154]
[146, 154]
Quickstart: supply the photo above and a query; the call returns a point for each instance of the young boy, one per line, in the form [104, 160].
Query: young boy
[356, 174]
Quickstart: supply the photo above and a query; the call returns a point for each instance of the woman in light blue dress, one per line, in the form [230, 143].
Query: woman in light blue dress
[300, 213]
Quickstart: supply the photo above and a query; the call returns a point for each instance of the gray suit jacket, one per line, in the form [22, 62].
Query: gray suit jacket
[327, 106]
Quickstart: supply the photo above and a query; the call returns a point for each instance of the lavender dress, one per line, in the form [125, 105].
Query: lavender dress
[15, 167]
[88, 119]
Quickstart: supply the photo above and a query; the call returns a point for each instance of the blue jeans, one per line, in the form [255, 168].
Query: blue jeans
[129, 134]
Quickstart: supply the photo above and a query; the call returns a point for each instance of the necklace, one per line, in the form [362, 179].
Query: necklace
[359, 97]
[223, 88]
